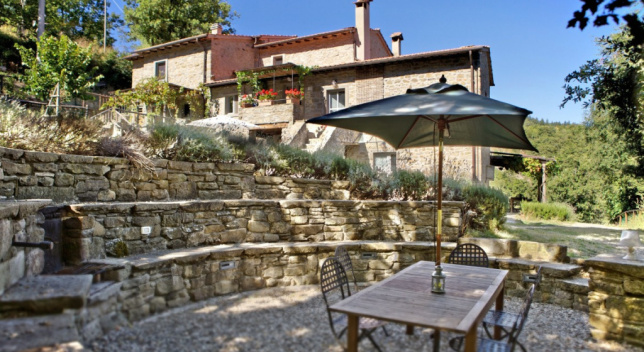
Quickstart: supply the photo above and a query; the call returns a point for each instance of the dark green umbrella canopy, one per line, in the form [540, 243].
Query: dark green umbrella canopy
[441, 114]
[411, 120]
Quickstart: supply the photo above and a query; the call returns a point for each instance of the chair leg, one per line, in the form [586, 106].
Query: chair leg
[373, 342]
[385, 331]
[456, 343]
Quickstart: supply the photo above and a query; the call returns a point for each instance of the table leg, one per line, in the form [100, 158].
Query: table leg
[410, 330]
[437, 340]
[499, 308]
[352, 333]
[470, 339]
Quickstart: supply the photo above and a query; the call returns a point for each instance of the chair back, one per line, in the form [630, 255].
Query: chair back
[333, 281]
[335, 287]
[343, 257]
[519, 323]
[469, 254]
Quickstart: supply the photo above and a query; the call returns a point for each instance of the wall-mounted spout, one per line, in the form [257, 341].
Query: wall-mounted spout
[44, 245]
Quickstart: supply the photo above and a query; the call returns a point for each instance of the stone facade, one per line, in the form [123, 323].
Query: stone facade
[95, 231]
[20, 222]
[75, 178]
[616, 299]
[186, 66]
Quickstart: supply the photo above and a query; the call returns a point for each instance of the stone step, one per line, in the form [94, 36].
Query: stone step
[553, 270]
[577, 285]
[30, 333]
[47, 294]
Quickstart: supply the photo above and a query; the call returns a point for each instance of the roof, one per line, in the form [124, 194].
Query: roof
[136, 54]
[306, 38]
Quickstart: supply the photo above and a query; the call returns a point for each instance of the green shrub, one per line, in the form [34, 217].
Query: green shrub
[176, 142]
[490, 204]
[548, 211]
[409, 185]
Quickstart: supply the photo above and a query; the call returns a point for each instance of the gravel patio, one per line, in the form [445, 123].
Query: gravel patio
[294, 319]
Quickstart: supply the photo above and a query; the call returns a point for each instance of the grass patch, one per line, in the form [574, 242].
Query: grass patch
[583, 240]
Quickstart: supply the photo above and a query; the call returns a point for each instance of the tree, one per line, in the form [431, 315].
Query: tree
[613, 84]
[59, 60]
[159, 21]
[633, 20]
[74, 18]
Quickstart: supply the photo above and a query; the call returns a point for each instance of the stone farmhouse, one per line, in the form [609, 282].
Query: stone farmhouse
[348, 66]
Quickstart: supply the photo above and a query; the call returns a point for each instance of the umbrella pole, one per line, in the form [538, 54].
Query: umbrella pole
[439, 206]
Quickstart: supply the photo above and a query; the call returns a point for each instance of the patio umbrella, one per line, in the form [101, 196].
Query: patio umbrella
[441, 114]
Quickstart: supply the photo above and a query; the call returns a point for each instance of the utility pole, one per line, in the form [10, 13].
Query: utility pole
[41, 18]
[104, 24]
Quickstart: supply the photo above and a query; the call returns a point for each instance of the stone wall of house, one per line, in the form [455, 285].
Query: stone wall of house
[616, 299]
[186, 65]
[379, 47]
[94, 231]
[74, 178]
[20, 222]
[332, 50]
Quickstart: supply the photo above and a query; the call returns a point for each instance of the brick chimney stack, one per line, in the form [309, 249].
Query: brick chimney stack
[363, 26]
[396, 40]
[216, 29]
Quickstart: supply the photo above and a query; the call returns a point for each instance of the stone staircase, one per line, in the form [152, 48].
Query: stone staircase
[314, 140]
[57, 310]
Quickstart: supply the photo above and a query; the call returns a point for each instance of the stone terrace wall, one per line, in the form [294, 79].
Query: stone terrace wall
[93, 231]
[20, 221]
[155, 282]
[73, 178]
[616, 299]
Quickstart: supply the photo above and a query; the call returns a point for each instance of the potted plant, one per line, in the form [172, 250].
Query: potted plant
[247, 101]
[294, 95]
[266, 96]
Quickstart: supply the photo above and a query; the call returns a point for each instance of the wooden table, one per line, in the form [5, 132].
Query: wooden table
[406, 298]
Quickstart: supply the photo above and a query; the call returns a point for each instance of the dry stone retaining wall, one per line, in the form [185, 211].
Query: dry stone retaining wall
[616, 299]
[74, 178]
[94, 231]
[20, 221]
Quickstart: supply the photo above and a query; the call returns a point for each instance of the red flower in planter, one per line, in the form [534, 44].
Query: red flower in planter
[267, 94]
[294, 93]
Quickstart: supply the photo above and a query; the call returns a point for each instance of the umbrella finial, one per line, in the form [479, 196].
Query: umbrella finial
[443, 79]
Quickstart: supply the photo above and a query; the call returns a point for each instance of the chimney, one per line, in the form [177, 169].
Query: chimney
[396, 40]
[363, 25]
[216, 29]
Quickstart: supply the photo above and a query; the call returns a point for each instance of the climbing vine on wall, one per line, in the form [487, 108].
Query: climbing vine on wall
[252, 77]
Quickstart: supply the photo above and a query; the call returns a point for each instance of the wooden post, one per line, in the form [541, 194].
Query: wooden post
[543, 181]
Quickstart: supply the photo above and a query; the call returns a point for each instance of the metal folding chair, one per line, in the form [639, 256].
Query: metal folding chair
[469, 254]
[507, 320]
[335, 287]
[490, 345]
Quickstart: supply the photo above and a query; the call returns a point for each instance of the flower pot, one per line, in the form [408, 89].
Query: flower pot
[266, 102]
[293, 100]
[247, 105]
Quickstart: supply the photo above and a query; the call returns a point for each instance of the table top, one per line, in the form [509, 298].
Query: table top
[406, 297]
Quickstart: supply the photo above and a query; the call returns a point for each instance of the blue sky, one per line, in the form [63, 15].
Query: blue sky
[532, 50]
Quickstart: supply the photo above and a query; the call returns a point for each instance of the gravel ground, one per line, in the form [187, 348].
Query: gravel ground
[294, 319]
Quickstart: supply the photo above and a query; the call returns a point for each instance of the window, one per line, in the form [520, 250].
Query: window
[231, 103]
[278, 60]
[160, 71]
[336, 100]
[384, 162]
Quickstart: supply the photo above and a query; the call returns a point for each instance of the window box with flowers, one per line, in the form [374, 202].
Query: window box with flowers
[294, 95]
[247, 101]
[266, 96]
